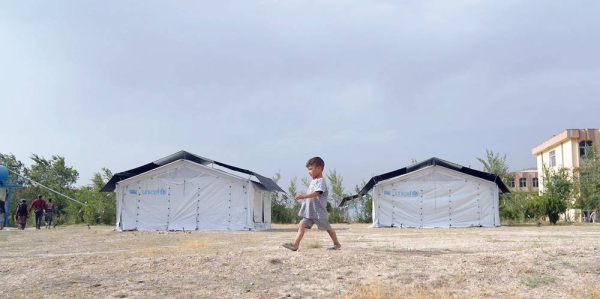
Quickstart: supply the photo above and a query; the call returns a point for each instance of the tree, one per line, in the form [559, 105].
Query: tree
[556, 196]
[54, 174]
[45, 177]
[100, 207]
[52, 178]
[495, 164]
[293, 191]
[587, 182]
[305, 182]
[336, 214]
[365, 213]
[511, 207]
[279, 209]
[14, 166]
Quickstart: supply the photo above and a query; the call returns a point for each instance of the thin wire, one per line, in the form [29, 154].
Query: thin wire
[47, 187]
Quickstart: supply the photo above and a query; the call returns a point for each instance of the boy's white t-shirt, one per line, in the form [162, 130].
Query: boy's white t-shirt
[316, 207]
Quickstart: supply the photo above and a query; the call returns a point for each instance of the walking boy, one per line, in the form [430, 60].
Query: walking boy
[314, 206]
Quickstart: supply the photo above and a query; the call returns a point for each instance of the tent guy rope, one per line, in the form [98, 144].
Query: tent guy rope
[36, 183]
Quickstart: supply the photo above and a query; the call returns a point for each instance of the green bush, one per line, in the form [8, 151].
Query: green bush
[336, 214]
[280, 213]
[511, 213]
[553, 206]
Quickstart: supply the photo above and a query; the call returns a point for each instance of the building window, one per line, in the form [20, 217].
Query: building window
[583, 145]
[552, 158]
[522, 182]
[511, 183]
[534, 183]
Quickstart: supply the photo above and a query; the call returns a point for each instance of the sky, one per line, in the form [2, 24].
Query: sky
[369, 86]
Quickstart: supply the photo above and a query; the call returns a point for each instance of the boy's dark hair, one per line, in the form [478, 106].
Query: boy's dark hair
[315, 161]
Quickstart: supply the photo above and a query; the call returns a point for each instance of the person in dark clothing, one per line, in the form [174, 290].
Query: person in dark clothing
[49, 213]
[21, 214]
[2, 213]
[38, 206]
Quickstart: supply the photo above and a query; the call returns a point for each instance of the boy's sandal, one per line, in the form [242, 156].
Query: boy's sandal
[333, 248]
[290, 246]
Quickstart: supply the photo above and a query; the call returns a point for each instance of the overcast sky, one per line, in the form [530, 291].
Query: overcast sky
[265, 85]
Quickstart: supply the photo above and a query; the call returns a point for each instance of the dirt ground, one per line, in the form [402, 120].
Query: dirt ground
[505, 262]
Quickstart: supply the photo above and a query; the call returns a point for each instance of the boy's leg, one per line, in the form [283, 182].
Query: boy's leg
[333, 236]
[299, 235]
[323, 224]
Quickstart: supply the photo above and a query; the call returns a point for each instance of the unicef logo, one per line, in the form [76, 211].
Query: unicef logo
[410, 193]
[155, 192]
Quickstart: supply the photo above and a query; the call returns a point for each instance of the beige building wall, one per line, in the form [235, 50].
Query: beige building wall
[523, 181]
[565, 148]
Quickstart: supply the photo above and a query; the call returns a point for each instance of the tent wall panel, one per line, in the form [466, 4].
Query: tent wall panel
[186, 195]
[266, 206]
[238, 206]
[213, 206]
[127, 213]
[257, 207]
[152, 214]
[408, 212]
[184, 203]
[261, 207]
[435, 197]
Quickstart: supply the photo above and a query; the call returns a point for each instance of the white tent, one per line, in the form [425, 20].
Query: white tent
[435, 193]
[177, 193]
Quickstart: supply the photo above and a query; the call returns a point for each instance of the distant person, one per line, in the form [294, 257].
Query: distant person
[2, 213]
[314, 206]
[21, 214]
[49, 213]
[38, 206]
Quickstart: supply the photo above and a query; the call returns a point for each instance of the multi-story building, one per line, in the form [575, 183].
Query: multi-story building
[524, 181]
[565, 150]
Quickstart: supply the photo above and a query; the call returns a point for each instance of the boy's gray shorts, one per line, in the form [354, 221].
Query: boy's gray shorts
[322, 224]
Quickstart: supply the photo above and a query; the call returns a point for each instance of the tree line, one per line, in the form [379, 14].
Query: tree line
[563, 189]
[92, 207]
[100, 207]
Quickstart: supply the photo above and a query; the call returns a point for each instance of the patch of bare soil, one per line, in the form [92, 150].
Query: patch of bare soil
[506, 262]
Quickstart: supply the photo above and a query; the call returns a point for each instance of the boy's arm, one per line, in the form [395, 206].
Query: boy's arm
[309, 195]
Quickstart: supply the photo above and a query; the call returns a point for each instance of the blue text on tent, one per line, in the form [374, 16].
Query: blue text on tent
[407, 193]
[412, 193]
[159, 191]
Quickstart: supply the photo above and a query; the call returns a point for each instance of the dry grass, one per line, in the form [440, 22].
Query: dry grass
[587, 290]
[192, 245]
[376, 289]
[507, 262]
[311, 238]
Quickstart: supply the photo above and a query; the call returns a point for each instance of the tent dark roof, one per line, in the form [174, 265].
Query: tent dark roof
[430, 162]
[267, 183]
